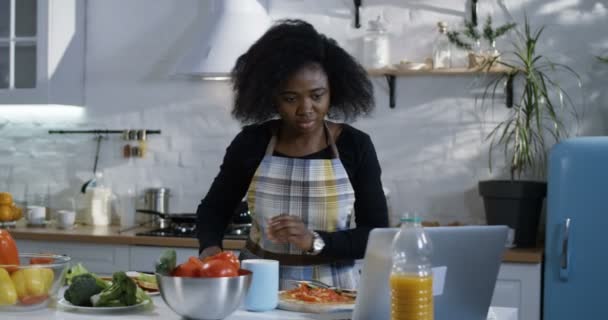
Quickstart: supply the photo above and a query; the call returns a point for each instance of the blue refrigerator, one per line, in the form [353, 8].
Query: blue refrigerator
[576, 241]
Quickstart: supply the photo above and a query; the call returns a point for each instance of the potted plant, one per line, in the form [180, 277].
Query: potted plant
[537, 105]
[478, 57]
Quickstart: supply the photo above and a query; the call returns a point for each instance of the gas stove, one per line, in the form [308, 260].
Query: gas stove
[188, 230]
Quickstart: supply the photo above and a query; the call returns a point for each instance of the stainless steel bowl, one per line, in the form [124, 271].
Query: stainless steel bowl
[204, 298]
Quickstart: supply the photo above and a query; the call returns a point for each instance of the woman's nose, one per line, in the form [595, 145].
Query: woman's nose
[305, 106]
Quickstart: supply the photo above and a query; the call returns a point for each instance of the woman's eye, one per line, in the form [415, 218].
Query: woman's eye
[317, 97]
[289, 99]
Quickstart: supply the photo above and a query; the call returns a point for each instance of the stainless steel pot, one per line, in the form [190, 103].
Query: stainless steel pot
[156, 201]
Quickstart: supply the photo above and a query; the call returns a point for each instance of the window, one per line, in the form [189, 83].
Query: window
[18, 44]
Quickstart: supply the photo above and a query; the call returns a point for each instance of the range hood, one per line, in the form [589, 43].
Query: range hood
[232, 27]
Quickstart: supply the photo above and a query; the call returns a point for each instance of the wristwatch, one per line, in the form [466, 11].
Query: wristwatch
[317, 244]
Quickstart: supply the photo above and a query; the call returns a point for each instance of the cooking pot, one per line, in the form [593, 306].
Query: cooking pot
[156, 202]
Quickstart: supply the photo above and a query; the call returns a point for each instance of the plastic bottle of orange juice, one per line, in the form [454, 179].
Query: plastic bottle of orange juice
[411, 279]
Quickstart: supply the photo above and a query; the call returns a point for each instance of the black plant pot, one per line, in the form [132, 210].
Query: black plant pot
[517, 204]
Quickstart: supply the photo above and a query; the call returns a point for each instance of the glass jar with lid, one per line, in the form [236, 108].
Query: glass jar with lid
[442, 53]
[376, 45]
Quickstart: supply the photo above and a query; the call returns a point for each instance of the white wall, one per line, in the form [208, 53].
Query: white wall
[431, 146]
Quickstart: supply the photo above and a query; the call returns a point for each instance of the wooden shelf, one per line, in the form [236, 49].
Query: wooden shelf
[434, 72]
[392, 73]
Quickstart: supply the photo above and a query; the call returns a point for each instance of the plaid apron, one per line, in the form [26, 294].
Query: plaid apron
[317, 191]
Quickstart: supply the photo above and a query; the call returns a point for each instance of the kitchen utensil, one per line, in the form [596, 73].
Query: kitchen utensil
[156, 202]
[160, 219]
[204, 298]
[92, 181]
[58, 268]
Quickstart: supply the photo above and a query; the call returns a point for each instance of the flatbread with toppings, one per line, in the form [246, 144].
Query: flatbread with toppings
[307, 298]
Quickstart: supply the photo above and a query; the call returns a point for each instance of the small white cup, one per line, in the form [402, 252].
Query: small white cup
[264, 289]
[65, 219]
[35, 215]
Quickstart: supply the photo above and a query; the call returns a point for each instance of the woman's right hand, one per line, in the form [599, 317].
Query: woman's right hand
[209, 251]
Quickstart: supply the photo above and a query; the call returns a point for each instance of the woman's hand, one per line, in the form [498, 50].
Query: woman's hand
[289, 229]
[209, 251]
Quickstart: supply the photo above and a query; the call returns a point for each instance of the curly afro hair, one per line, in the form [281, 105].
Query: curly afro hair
[285, 48]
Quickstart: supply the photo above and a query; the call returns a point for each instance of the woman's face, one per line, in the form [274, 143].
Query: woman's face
[304, 100]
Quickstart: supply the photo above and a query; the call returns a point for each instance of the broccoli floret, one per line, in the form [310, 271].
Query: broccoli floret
[123, 291]
[73, 272]
[81, 290]
[167, 262]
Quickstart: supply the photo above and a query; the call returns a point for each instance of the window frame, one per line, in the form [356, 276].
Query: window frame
[40, 93]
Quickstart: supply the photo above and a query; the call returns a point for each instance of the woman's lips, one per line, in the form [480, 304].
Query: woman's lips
[305, 124]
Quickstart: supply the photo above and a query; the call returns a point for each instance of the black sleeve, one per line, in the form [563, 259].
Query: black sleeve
[370, 204]
[229, 187]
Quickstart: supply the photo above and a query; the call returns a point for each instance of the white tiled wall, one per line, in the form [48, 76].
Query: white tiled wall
[431, 147]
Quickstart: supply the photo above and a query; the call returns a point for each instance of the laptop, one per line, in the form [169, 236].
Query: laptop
[465, 259]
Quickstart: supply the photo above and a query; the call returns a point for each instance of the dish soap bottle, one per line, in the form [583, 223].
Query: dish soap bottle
[376, 45]
[442, 52]
[411, 278]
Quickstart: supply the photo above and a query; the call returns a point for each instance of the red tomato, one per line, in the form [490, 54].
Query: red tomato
[33, 299]
[8, 250]
[187, 269]
[41, 260]
[218, 268]
[230, 257]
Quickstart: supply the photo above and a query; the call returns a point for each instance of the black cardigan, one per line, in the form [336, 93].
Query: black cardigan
[241, 160]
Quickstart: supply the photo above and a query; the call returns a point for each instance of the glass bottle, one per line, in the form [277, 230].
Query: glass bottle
[442, 53]
[411, 279]
[98, 202]
[376, 45]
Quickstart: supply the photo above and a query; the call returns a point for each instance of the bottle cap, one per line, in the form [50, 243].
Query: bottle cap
[411, 219]
[443, 27]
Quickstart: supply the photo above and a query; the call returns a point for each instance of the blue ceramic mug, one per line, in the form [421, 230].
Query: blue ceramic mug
[263, 294]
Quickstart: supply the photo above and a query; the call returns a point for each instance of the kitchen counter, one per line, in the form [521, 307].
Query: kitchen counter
[161, 311]
[111, 235]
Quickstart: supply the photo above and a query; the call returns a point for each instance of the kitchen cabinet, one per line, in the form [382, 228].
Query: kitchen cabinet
[519, 286]
[98, 258]
[42, 52]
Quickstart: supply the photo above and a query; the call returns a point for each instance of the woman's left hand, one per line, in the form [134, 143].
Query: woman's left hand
[285, 228]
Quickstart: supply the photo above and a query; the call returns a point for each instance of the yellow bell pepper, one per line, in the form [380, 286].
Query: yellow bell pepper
[32, 282]
[8, 293]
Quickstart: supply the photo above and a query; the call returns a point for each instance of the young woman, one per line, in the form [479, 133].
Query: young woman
[303, 174]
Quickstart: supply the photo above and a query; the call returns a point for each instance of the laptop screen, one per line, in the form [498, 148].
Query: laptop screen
[468, 257]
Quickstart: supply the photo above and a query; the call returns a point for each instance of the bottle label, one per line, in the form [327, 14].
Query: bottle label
[439, 279]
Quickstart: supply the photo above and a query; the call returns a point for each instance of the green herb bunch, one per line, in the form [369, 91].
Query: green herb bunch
[489, 34]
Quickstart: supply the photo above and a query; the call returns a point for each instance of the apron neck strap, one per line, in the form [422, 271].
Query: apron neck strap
[329, 140]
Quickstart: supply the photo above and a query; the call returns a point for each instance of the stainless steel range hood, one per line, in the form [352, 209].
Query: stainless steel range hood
[235, 26]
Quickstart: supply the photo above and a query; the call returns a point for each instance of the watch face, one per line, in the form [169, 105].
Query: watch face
[318, 244]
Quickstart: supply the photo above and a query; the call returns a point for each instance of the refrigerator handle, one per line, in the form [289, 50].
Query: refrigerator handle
[564, 263]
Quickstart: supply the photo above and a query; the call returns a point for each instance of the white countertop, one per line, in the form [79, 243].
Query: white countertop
[161, 311]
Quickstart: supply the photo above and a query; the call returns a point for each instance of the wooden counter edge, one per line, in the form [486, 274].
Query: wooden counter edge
[120, 239]
[524, 255]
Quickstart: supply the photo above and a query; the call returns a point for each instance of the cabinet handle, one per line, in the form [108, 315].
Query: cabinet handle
[564, 260]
